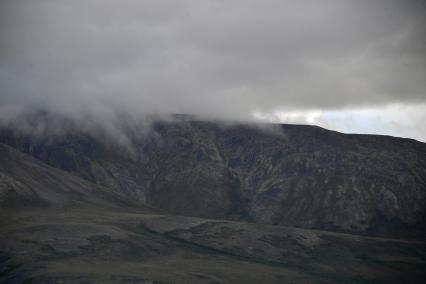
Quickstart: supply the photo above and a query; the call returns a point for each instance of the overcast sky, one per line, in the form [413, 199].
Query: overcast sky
[354, 66]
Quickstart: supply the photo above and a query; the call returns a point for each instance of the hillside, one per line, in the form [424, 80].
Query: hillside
[292, 175]
[82, 207]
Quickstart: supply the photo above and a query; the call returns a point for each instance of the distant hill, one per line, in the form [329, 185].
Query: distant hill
[293, 175]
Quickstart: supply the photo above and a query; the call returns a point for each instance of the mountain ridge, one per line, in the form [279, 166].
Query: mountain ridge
[294, 175]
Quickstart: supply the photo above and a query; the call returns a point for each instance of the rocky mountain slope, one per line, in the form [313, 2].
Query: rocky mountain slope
[27, 183]
[75, 198]
[293, 175]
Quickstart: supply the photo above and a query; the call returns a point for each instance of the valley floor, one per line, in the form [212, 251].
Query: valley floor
[79, 245]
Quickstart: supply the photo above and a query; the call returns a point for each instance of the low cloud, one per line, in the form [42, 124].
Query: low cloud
[217, 59]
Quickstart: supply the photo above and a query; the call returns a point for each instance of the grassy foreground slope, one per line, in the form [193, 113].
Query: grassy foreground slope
[86, 245]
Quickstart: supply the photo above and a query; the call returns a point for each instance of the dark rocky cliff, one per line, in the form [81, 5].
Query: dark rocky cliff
[294, 175]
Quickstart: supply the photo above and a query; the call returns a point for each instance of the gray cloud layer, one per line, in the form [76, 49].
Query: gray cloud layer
[217, 58]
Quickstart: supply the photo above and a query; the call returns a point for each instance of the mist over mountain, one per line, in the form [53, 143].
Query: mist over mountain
[244, 141]
[219, 60]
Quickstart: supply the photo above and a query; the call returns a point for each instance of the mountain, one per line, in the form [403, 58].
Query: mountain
[28, 183]
[293, 175]
[189, 201]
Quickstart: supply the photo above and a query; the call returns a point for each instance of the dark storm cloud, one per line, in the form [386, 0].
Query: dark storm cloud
[216, 58]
